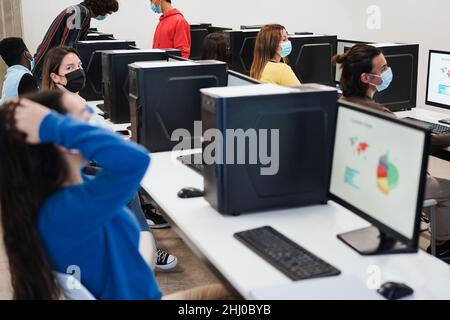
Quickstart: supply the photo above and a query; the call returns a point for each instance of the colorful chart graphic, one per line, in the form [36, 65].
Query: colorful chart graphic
[350, 177]
[360, 147]
[446, 72]
[387, 175]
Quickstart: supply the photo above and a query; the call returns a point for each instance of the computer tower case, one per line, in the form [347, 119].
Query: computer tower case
[165, 96]
[116, 87]
[305, 119]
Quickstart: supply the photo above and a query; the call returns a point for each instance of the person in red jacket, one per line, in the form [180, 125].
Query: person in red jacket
[173, 31]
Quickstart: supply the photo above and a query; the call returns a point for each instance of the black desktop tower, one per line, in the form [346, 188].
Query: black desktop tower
[311, 58]
[404, 61]
[305, 119]
[165, 96]
[92, 63]
[116, 87]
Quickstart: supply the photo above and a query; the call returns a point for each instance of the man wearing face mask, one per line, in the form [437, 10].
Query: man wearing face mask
[70, 26]
[365, 72]
[269, 60]
[173, 31]
[18, 79]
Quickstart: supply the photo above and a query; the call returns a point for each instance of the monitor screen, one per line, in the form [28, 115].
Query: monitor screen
[378, 168]
[438, 84]
[236, 79]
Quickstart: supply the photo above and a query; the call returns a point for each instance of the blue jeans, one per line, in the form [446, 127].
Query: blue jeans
[135, 206]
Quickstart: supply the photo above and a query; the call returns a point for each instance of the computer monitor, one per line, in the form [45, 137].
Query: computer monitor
[237, 79]
[378, 172]
[311, 58]
[116, 80]
[91, 58]
[294, 127]
[438, 79]
[165, 96]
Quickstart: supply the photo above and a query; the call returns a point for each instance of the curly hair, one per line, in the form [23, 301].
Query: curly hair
[102, 7]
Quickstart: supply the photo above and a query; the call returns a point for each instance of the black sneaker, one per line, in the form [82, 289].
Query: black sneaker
[442, 251]
[165, 261]
[154, 220]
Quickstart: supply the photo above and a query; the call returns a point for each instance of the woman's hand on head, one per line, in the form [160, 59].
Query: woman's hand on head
[28, 117]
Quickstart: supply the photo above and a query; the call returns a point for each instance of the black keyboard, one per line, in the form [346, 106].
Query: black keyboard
[189, 161]
[434, 127]
[287, 256]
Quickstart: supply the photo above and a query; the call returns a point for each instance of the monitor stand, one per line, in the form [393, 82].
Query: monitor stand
[371, 241]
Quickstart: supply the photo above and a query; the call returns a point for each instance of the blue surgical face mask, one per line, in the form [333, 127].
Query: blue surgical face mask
[32, 64]
[386, 80]
[96, 121]
[286, 49]
[156, 9]
[100, 18]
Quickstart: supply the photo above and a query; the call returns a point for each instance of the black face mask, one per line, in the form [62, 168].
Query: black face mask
[76, 80]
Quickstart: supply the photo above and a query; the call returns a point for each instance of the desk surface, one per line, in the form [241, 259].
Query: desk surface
[210, 234]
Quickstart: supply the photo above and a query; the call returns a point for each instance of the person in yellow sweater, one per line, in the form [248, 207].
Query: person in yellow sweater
[270, 56]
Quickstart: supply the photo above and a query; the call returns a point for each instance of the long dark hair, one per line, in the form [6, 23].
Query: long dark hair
[29, 174]
[216, 47]
[52, 63]
[267, 43]
[355, 62]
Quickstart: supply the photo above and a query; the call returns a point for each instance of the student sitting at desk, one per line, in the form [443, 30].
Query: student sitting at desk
[63, 71]
[19, 79]
[54, 218]
[216, 47]
[70, 26]
[364, 72]
[269, 60]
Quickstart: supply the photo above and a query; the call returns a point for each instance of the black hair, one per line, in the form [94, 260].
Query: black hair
[102, 7]
[29, 174]
[355, 62]
[216, 47]
[12, 50]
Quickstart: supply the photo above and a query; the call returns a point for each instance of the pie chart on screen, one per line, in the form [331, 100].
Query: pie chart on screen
[387, 175]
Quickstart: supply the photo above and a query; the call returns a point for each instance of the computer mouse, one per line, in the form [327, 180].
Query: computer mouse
[187, 193]
[395, 290]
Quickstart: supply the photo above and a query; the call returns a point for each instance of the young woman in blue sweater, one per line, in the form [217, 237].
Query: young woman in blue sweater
[55, 219]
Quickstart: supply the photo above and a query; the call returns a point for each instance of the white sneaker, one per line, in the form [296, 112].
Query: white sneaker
[165, 261]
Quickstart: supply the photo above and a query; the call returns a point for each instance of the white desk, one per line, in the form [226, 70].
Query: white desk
[210, 235]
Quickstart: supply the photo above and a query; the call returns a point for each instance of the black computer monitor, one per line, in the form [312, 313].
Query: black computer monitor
[311, 58]
[378, 172]
[293, 127]
[404, 61]
[438, 79]
[236, 79]
[165, 97]
[90, 53]
[116, 87]
[212, 29]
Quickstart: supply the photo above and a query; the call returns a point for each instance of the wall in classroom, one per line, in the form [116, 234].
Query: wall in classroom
[423, 22]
